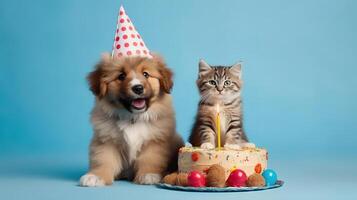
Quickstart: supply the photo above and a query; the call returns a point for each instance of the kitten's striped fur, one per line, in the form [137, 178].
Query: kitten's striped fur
[219, 85]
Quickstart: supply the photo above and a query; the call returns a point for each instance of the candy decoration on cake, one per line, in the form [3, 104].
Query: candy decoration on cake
[182, 179]
[195, 156]
[176, 179]
[256, 180]
[258, 168]
[196, 179]
[170, 178]
[237, 178]
[127, 41]
[215, 176]
[270, 177]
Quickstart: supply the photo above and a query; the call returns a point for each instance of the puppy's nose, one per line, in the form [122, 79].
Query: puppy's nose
[138, 89]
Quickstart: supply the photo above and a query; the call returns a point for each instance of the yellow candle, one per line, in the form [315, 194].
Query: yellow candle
[218, 128]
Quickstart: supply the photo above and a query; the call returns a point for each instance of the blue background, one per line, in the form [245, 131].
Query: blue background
[299, 69]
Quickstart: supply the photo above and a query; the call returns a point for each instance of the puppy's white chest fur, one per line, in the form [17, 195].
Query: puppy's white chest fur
[135, 135]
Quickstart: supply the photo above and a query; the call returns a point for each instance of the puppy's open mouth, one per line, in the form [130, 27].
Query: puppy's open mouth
[138, 104]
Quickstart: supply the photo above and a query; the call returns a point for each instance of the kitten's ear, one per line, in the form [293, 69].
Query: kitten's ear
[203, 68]
[236, 70]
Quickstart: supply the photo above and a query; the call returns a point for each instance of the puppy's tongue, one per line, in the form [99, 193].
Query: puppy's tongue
[138, 103]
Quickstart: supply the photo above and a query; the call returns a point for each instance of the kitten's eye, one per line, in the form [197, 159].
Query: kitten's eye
[146, 74]
[122, 76]
[212, 82]
[227, 82]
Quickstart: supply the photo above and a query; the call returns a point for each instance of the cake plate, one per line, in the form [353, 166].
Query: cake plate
[278, 184]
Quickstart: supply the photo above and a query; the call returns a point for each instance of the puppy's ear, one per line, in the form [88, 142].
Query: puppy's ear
[166, 74]
[95, 80]
[166, 79]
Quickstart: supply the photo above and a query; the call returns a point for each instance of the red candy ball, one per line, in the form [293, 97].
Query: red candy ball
[196, 179]
[237, 178]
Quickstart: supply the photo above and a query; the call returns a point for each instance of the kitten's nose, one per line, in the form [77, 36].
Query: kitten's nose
[138, 89]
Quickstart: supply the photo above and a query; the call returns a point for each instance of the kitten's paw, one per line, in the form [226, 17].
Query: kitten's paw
[248, 145]
[233, 146]
[148, 179]
[207, 145]
[90, 180]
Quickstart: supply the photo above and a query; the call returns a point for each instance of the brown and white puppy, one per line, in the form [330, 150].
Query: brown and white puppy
[133, 121]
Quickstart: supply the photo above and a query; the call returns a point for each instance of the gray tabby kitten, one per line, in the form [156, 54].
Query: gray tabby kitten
[219, 86]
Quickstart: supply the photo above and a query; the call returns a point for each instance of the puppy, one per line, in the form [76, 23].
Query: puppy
[133, 121]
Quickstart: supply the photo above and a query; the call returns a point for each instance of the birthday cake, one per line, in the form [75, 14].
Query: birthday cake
[249, 160]
[222, 167]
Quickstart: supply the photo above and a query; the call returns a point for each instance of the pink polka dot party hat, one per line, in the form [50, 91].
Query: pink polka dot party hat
[127, 40]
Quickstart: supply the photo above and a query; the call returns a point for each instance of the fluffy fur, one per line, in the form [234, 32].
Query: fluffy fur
[134, 132]
[219, 86]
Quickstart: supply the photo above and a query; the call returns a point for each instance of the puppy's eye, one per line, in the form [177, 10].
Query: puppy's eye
[122, 76]
[146, 74]
[212, 82]
[227, 82]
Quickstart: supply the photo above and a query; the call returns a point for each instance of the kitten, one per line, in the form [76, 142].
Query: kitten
[219, 86]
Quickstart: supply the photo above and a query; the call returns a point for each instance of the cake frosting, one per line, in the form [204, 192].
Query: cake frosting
[248, 159]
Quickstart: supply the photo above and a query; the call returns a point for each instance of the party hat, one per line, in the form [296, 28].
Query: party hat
[127, 41]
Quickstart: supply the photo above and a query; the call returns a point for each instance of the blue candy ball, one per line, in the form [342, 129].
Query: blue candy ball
[270, 177]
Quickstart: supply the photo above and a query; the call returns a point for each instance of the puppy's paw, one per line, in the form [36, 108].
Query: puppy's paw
[233, 146]
[90, 180]
[148, 179]
[247, 145]
[207, 145]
